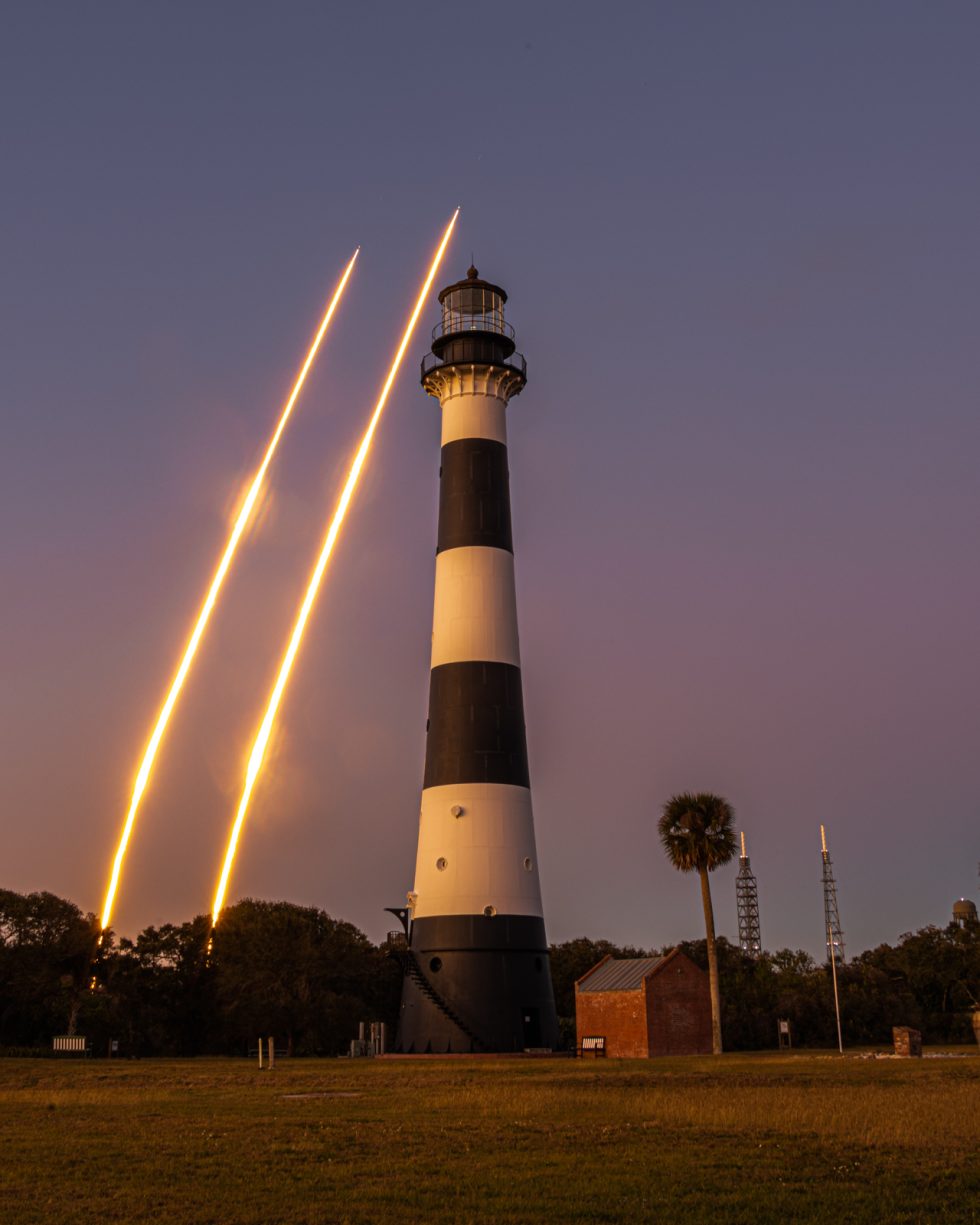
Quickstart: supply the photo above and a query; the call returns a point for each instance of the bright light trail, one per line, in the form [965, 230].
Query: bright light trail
[262, 739]
[244, 514]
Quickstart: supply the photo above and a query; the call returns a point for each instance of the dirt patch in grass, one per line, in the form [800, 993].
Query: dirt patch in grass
[305, 1097]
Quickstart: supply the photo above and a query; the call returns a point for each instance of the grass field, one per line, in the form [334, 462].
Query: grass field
[759, 1139]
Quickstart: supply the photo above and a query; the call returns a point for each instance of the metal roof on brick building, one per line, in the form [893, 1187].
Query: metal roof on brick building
[620, 974]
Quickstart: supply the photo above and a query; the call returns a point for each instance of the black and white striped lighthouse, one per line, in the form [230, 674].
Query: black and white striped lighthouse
[477, 975]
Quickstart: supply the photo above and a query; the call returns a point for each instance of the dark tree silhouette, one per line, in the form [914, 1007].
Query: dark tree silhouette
[45, 948]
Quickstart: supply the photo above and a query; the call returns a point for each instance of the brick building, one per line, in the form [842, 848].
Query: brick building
[645, 1006]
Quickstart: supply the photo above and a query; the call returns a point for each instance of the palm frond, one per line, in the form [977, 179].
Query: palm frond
[697, 830]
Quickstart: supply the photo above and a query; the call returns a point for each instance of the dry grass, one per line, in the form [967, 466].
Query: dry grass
[745, 1138]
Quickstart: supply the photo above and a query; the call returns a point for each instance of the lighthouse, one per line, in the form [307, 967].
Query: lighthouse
[476, 969]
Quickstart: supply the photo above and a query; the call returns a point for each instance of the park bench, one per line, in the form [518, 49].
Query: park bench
[69, 1044]
[593, 1046]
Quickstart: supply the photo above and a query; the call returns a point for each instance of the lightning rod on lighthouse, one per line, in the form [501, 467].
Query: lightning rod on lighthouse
[476, 969]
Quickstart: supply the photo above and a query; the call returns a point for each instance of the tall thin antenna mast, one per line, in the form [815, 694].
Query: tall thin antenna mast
[747, 899]
[831, 915]
[835, 937]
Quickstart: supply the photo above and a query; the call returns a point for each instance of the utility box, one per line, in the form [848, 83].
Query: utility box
[372, 1039]
[908, 1042]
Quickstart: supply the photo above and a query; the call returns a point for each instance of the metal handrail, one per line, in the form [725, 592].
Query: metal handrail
[460, 321]
[516, 362]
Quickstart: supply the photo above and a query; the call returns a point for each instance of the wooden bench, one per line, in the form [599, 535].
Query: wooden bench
[69, 1044]
[593, 1046]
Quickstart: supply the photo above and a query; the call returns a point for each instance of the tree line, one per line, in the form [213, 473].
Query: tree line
[276, 969]
[929, 980]
[308, 979]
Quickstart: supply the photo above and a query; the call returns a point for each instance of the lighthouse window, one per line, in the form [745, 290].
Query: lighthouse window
[528, 865]
[435, 965]
[472, 306]
[442, 864]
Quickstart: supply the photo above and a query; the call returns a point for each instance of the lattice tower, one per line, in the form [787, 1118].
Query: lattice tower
[747, 899]
[831, 914]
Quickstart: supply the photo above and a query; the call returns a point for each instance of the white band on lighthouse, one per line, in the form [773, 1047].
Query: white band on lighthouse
[482, 856]
[469, 413]
[473, 616]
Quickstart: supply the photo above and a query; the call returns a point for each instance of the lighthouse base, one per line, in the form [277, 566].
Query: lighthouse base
[476, 984]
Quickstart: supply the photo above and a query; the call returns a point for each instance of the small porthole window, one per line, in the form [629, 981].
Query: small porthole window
[528, 866]
[442, 864]
[489, 911]
[435, 965]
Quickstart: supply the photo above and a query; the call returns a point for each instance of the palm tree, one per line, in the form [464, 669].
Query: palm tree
[698, 836]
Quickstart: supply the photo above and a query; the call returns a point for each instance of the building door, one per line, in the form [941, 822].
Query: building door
[532, 1026]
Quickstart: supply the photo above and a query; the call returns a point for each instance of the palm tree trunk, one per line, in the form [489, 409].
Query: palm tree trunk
[76, 1004]
[709, 929]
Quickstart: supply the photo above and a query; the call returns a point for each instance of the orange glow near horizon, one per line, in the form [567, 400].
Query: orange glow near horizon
[265, 730]
[190, 650]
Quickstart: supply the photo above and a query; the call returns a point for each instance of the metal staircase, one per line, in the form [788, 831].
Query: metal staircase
[409, 963]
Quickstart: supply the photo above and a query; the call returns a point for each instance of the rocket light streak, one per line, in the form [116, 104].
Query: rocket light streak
[262, 739]
[241, 522]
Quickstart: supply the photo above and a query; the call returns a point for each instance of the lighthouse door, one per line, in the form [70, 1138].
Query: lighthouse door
[532, 1027]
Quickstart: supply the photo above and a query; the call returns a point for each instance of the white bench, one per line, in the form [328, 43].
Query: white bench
[595, 1045]
[69, 1044]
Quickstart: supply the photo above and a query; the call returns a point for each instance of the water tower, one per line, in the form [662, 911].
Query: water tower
[477, 974]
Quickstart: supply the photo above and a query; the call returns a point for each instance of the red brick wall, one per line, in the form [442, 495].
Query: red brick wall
[679, 1009]
[619, 1016]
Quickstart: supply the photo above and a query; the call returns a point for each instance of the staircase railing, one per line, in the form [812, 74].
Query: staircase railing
[410, 964]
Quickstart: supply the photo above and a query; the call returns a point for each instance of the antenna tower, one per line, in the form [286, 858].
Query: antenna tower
[831, 915]
[747, 897]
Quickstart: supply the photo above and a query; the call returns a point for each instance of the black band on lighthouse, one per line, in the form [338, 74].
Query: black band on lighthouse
[476, 725]
[474, 495]
[470, 933]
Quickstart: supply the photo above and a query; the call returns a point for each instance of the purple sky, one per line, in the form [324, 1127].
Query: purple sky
[741, 247]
